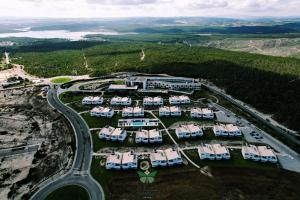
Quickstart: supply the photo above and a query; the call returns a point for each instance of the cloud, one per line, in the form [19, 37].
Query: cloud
[208, 4]
[127, 2]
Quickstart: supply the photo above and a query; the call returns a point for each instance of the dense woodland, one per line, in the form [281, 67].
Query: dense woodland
[270, 84]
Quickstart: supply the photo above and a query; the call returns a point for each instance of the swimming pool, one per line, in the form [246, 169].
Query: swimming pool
[138, 123]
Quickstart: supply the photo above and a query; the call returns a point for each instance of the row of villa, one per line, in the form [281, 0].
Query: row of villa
[133, 112]
[170, 111]
[102, 112]
[148, 136]
[204, 113]
[213, 152]
[113, 134]
[129, 160]
[259, 153]
[227, 130]
[188, 131]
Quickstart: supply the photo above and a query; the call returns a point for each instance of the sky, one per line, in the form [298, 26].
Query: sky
[151, 8]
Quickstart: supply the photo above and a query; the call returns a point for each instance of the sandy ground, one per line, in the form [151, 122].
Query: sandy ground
[25, 119]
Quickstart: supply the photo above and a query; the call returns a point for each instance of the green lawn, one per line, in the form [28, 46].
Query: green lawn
[70, 192]
[100, 122]
[236, 160]
[60, 80]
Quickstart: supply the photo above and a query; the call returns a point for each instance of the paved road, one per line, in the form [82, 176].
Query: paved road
[79, 173]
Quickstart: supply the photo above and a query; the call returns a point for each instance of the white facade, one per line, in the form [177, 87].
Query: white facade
[266, 154]
[175, 100]
[118, 135]
[114, 161]
[111, 133]
[164, 111]
[188, 131]
[129, 161]
[204, 113]
[227, 130]
[142, 136]
[123, 101]
[148, 136]
[175, 111]
[133, 112]
[206, 152]
[250, 153]
[221, 152]
[102, 112]
[158, 159]
[92, 100]
[153, 101]
[106, 132]
[173, 157]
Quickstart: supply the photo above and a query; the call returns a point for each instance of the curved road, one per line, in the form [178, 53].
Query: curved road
[79, 173]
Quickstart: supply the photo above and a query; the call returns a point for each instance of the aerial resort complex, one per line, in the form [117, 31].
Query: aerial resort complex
[163, 122]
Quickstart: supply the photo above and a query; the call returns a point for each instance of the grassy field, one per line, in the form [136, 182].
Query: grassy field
[100, 122]
[70, 192]
[61, 80]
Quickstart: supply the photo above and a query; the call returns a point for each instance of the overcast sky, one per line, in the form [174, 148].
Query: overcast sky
[164, 8]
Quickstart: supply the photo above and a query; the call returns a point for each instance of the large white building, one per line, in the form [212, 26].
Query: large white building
[227, 130]
[148, 136]
[173, 157]
[153, 101]
[111, 133]
[204, 113]
[92, 100]
[158, 159]
[169, 111]
[133, 112]
[176, 100]
[102, 112]
[120, 101]
[171, 83]
[188, 131]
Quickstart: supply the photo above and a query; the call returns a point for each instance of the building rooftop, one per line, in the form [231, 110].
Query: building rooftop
[154, 133]
[142, 134]
[117, 132]
[193, 128]
[164, 109]
[122, 87]
[114, 158]
[158, 155]
[251, 149]
[218, 149]
[264, 151]
[175, 109]
[172, 154]
[107, 130]
[128, 157]
[206, 149]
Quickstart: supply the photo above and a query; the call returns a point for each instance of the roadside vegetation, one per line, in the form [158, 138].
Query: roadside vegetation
[70, 192]
[61, 80]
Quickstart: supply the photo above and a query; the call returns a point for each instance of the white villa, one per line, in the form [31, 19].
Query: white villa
[175, 100]
[221, 152]
[102, 112]
[175, 111]
[164, 111]
[204, 113]
[153, 101]
[206, 152]
[158, 159]
[266, 154]
[142, 136]
[106, 132]
[133, 112]
[123, 101]
[151, 136]
[118, 135]
[111, 133]
[114, 161]
[129, 161]
[250, 153]
[227, 130]
[92, 100]
[187, 131]
[182, 132]
[155, 136]
[173, 157]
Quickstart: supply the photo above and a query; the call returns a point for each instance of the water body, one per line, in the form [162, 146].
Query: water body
[63, 34]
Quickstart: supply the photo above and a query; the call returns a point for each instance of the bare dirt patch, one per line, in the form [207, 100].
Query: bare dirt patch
[27, 119]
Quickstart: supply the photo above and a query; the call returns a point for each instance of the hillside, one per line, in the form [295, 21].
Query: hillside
[271, 84]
